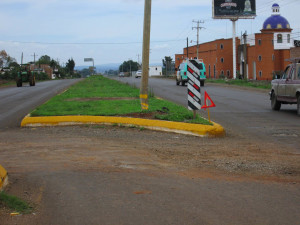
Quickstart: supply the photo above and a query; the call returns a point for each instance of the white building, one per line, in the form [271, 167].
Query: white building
[155, 71]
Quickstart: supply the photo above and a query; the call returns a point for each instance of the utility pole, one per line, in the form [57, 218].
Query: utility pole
[138, 55]
[129, 67]
[198, 28]
[234, 47]
[187, 48]
[34, 55]
[245, 55]
[146, 54]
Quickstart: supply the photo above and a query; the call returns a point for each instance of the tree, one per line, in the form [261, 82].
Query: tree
[45, 59]
[70, 65]
[168, 65]
[54, 64]
[128, 66]
[84, 72]
[5, 59]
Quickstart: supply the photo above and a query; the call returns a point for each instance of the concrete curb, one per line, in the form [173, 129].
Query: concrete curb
[3, 178]
[177, 127]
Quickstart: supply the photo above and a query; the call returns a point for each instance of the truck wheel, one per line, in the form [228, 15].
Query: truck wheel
[298, 105]
[202, 83]
[177, 82]
[182, 83]
[274, 103]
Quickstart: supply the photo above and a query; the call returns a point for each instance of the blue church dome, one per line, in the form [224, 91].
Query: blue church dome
[276, 21]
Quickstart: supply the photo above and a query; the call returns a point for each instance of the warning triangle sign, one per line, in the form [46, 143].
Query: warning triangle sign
[207, 99]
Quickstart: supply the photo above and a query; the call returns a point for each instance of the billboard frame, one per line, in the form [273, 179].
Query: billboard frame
[232, 17]
[88, 60]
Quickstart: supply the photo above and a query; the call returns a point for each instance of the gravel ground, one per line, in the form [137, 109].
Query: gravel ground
[231, 154]
[111, 149]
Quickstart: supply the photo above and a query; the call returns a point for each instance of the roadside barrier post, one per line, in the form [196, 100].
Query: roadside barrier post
[3, 178]
[194, 91]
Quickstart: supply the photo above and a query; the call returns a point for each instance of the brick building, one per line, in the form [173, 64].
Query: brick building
[217, 56]
[43, 68]
[265, 52]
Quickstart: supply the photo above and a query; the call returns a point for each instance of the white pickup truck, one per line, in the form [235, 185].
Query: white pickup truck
[286, 90]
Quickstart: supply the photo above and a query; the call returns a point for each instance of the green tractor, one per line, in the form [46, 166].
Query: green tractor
[25, 75]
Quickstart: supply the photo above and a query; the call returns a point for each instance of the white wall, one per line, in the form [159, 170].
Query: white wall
[155, 71]
[284, 44]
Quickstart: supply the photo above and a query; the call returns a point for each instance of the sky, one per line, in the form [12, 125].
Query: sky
[111, 31]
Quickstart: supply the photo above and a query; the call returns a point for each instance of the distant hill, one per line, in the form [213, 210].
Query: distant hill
[101, 68]
[110, 66]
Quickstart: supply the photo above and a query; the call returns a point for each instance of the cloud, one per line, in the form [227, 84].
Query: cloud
[160, 46]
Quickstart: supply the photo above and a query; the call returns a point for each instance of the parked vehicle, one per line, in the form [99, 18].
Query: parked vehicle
[138, 74]
[25, 75]
[121, 74]
[286, 90]
[181, 75]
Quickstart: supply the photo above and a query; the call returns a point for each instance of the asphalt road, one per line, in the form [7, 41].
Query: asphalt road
[242, 111]
[15, 103]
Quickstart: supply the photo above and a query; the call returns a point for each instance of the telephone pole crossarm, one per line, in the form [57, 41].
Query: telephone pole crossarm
[198, 28]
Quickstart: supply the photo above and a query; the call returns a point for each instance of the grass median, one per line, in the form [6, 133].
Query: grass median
[100, 96]
[244, 83]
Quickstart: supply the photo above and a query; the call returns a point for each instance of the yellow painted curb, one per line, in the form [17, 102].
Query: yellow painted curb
[177, 127]
[3, 178]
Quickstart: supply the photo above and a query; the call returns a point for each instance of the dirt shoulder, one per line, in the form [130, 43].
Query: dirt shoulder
[112, 149]
[232, 154]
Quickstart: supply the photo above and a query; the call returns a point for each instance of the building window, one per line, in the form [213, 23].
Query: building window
[214, 71]
[222, 60]
[221, 46]
[228, 73]
[279, 38]
[259, 58]
[155, 68]
[209, 71]
[289, 38]
[273, 57]
[222, 73]
[216, 59]
[259, 41]
[260, 73]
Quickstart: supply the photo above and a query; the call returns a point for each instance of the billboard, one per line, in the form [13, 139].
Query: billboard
[234, 9]
[88, 59]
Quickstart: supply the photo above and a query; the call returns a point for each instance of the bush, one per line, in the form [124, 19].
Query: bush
[76, 75]
[41, 76]
[222, 76]
[9, 75]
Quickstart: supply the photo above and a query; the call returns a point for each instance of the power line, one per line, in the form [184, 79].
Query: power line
[87, 43]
